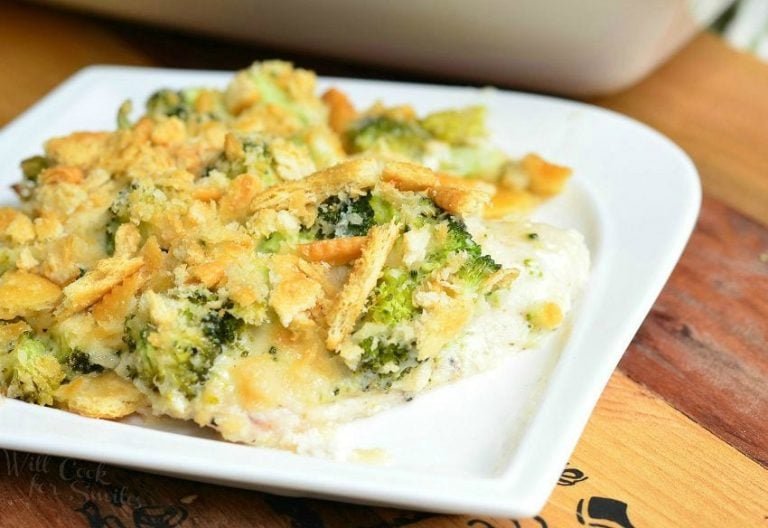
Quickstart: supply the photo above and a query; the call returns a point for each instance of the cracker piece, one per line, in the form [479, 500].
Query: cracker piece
[112, 309]
[206, 194]
[92, 286]
[335, 251]
[500, 279]
[545, 316]
[350, 303]
[409, 176]
[449, 180]
[293, 292]
[209, 273]
[16, 226]
[340, 108]
[61, 174]
[127, 240]
[508, 202]
[80, 148]
[441, 323]
[23, 293]
[10, 332]
[461, 202]
[104, 395]
[353, 177]
[546, 179]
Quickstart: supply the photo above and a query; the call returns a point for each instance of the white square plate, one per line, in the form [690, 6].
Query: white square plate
[492, 444]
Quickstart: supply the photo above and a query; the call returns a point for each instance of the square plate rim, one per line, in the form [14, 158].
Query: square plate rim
[489, 495]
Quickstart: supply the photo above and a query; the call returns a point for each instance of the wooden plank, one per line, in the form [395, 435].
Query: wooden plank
[667, 469]
[635, 465]
[703, 346]
[711, 100]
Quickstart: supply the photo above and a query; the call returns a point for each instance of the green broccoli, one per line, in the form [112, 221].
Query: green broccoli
[386, 135]
[392, 298]
[482, 161]
[29, 371]
[273, 243]
[383, 211]
[117, 214]
[8, 258]
[384, 358]
[182, 104]
[343, 216]
[172, 103]
[456, 126]
[256, 159]
[32, 167]
[392, 304]
[123, 115]
[280, 85]
[80, 363]
[221, 327]
[476, 270]
[178, 361]
[453, 139]
[109, 235]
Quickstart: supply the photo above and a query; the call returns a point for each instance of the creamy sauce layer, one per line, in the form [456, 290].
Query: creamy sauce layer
[553, 265]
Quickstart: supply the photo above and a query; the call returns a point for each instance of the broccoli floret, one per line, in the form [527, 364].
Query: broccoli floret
[456, 126]
[383, 211]
[117, 214]
[178, 360]
[272, 244]
[221, 327]
[278, 84]
[182, 367]
[30, 371]
[189, 104]
[392, 299]
[392, 302]
[80, 363]
[8, 258]
[384, 134]
[200, 296]
[385, 358]
[452, 138]
[123, 115]
[476, 268]
[255, 158]
[172, 103]
[32, 167]
[109, 235]
[482, 161]
[457, 240]
[342, 216]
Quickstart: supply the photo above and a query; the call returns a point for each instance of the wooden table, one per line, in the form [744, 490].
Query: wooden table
[680, 435]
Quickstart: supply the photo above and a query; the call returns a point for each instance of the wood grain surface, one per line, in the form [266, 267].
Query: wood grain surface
[670, 441]
[702, 347]
[719, 116]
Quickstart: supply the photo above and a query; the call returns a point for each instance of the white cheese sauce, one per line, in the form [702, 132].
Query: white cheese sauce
[553, 265]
